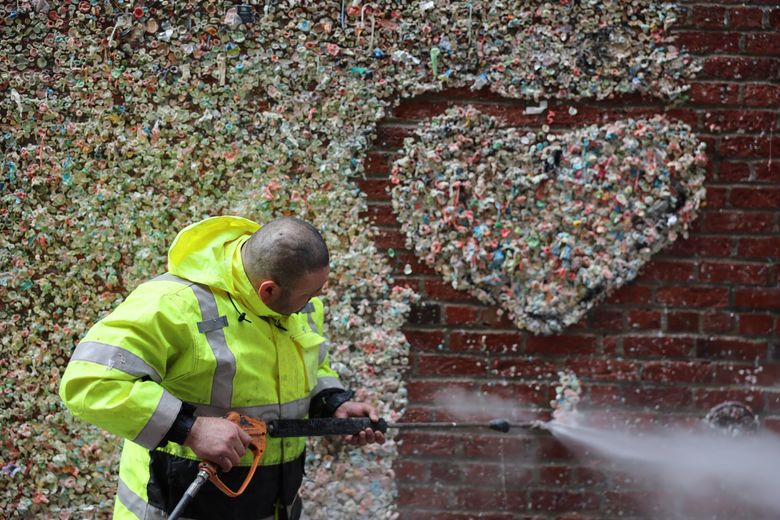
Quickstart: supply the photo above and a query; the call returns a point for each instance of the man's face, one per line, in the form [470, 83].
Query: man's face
[294, 299]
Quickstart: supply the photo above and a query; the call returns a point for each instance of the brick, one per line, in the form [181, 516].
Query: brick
[555, 476]
[520, 394]
[410, 470]
[631, 294]
[422, 496]
[442, 365]
[692, 296]
[419, 109]
[682, 322]
[376, 163]
[403, 257]
[431, 391]
[671, 399]
[735, 273]
[375, 189]
[740, 221]
[551, 449]
[763, 43]
[768, 171]
[424, 340]
[496, 318]
[762, 95]
[419, 414]
[524, 368]
[460, 314]
[392, 137]
[745, 18]
[747, 374]
[380, 215]
[426, 444]
[480, 499]
[512, 115]
[718, 322]
[717, 198]
[604, 395]
[446, 472]
[755, 299]
[677, 372]
[755, 198]
[563, 501]
[731, 349]
[605, 319]
[756, 324]
[719, 94]
[426, 314]
[708, 17]
[439, 290]
[772, 424]
[772, 401]
[708, 42]
[603, 369]
[748, 146]
[390, 238]
[734, 172]
[618, 505]
[515, 476]
[560, 345]
[741, 68]
[516, 449]
[705, 399]
[739, 120]
[643, 320]
[485, 342]
[669, 271]
[658, 346]
[759, 247]
[700, 246]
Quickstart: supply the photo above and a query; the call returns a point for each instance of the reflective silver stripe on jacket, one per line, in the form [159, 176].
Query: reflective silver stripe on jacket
[212, 326]
[160, 421]
[326, 382]
[325, 345]
[112, 356]
[137, 505]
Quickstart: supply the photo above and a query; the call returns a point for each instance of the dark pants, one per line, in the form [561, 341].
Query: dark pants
[170, 476]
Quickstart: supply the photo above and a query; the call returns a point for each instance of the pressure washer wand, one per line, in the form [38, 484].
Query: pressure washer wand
[355, 425]
[499, 425]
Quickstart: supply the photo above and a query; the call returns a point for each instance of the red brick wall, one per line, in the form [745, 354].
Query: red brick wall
[688, 333]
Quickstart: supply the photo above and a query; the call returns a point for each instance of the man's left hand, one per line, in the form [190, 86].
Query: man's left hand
[353, 409]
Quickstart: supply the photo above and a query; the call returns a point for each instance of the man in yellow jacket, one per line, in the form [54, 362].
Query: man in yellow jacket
[235, 324]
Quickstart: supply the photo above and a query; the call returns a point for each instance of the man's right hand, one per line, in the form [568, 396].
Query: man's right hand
[218, 440]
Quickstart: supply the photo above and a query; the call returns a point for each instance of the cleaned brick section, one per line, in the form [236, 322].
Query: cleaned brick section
[700, 325]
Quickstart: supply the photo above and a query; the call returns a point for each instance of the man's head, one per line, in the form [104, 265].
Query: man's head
[287, 262]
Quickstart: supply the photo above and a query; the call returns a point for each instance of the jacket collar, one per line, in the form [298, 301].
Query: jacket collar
[246, 294]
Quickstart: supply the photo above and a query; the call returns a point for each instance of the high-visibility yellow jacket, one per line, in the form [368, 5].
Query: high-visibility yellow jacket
[177, 338]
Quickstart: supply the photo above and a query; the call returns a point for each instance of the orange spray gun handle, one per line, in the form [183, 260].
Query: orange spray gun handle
[257, 431]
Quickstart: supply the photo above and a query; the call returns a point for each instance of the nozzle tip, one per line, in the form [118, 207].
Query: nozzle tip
[500, 425]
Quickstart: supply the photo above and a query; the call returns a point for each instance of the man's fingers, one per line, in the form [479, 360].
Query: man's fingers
[245, 438]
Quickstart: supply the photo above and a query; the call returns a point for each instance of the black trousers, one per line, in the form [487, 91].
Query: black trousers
[170, 476]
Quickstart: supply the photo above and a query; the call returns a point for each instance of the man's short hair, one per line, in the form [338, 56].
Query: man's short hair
[283, 251]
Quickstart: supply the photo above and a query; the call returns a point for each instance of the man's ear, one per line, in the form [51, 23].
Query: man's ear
[268, 291]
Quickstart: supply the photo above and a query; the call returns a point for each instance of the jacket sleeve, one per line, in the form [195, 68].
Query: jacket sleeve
[115, 375]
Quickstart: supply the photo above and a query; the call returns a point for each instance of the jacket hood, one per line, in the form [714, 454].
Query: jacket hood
[209, 252]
